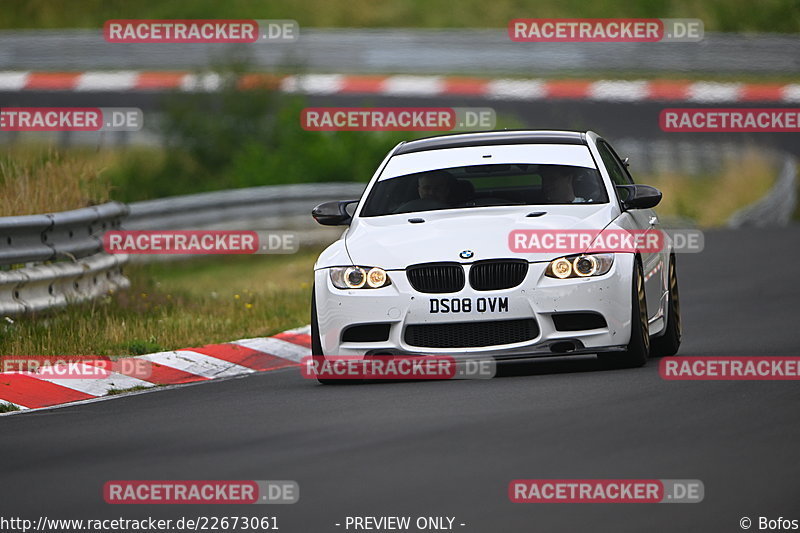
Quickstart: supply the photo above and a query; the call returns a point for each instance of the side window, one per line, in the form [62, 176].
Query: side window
[615, 170]
[619, 162]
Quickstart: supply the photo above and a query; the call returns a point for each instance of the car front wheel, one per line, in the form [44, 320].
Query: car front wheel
[638, 348]
[316, 346]
[669, 343]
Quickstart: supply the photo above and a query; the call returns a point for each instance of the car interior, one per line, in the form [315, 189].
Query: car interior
[485, 185]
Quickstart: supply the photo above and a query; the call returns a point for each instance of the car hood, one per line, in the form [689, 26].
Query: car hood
[392, 242]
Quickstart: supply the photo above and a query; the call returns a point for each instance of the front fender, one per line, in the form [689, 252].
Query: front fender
[334, 255]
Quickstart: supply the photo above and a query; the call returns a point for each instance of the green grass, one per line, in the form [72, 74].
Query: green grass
[113, 392]
[176, 305]
[8, 408]
[718, 15]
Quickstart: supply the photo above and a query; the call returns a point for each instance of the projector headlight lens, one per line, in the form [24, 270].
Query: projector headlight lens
[585, 265]
[376, 277]
[354, 277]
[359, 277]
[561, 268]
[580, 266]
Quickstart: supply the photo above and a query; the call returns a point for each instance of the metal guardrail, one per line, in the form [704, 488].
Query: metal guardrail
[777, 207]
[69, 234]
[410, 51]
[245, 207]
[54, 259]
[49, 286]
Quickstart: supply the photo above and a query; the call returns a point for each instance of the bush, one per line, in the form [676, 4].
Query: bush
[234, 138]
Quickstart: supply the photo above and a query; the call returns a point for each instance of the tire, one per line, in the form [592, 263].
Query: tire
[316, 345]
[638, 347]
[670, 342]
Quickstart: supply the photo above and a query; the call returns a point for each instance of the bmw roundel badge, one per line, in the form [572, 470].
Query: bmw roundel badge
[466, 254]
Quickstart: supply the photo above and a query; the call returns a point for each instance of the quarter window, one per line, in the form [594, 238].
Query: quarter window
[614, 167]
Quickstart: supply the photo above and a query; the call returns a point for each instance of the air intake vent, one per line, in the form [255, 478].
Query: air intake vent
[578, 321]
[497, 274]
[366, 333]
[436, 278]
[471, 334]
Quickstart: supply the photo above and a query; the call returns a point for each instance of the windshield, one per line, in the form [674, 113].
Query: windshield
[485, 185]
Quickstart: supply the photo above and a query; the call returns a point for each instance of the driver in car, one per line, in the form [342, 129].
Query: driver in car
[436, 190]
[559, 186]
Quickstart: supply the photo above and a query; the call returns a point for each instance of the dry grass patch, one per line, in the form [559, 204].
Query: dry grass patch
[36, 180]
[710, 200]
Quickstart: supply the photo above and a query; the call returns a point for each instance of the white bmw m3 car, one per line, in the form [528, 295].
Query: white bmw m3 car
[436, 258]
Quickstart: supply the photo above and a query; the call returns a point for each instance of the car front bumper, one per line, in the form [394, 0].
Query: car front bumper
[538, 298]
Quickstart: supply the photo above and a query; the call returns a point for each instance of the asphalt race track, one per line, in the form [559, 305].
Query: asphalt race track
[451, 448]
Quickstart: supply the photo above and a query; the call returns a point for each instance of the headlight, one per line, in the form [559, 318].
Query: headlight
[560, 268]
[376, 277]
[580, 266]
[585, 265]
[359, 277]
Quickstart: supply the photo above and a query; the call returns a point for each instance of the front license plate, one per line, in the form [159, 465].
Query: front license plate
[492, 304]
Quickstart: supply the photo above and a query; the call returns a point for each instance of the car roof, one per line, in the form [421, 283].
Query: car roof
[489, 138]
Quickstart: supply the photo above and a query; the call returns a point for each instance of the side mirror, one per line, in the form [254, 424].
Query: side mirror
[333, 213]
[638, 196]
[627, 162]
